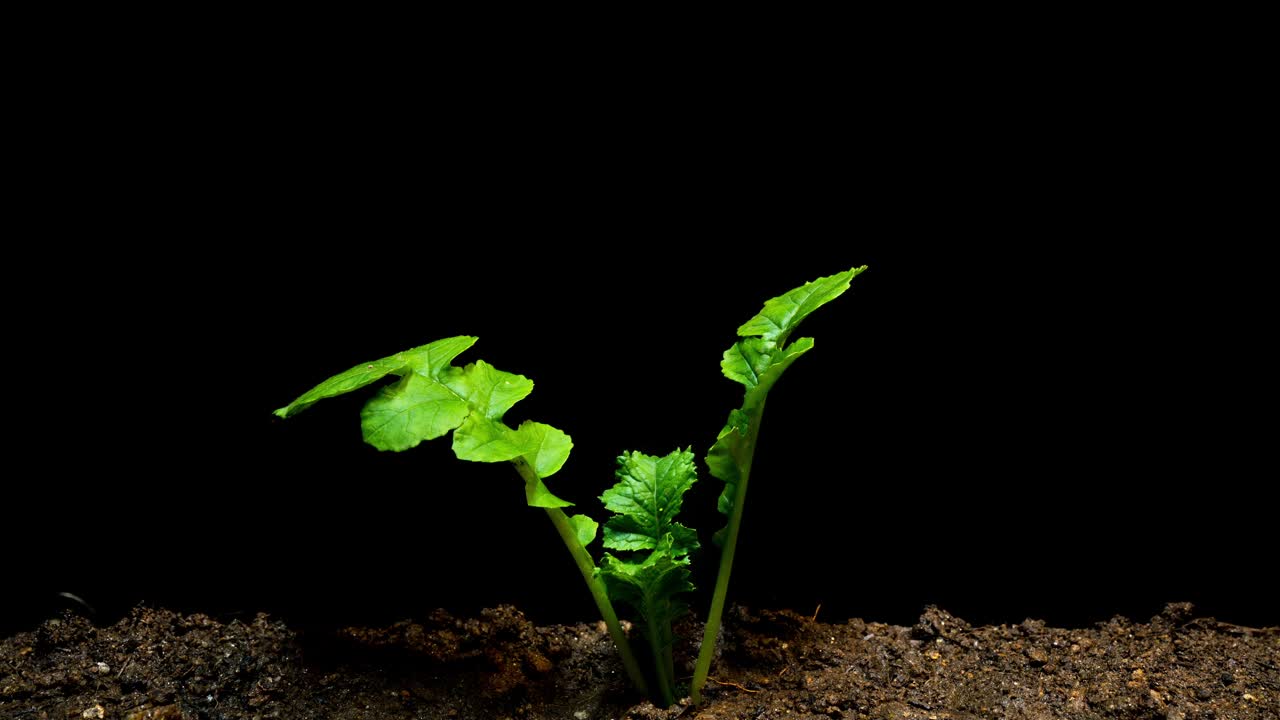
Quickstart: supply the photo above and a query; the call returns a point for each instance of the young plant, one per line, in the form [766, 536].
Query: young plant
[646, 500]
[433, 398]
[757, 360]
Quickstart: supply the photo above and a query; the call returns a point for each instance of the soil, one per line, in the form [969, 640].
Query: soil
[160, 665]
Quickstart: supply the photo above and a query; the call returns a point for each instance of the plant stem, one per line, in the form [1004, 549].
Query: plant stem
[587, 567]
[712, 629]
[664, 671]
[669, 663]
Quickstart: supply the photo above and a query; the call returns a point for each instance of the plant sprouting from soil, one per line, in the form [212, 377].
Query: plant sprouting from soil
[756, 360]
[646, 499]
[433, 398]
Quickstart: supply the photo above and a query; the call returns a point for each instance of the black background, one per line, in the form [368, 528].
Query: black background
[1047, 397]
[1053, 438]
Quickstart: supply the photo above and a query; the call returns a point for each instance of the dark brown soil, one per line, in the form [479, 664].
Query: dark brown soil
[157, 665]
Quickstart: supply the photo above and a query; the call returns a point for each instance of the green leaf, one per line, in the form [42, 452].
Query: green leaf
[546, 448]
[480, 439]
[650, 586]
[778, 363]
[746, 361]
[782, 314]
[543, 448]
[433, 358]
[406, 413]
[757, 360]
[434, 397]
[488, 390]
[758, 363]
[433, 355]
[646, 499]
[536, 494]
[727, 457]
[585, 528]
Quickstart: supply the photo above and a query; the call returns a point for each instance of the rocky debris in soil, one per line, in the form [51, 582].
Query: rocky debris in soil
[158, 665]
[941, 668]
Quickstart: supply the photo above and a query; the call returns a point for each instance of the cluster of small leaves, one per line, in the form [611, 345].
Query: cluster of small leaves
[757, 360]
[433, 398]
[645, 501]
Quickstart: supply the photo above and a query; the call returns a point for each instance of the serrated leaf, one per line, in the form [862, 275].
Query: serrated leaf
[650, 586]
[646, 499]
[757, 360]
[585, 528]
[488, 390]
[415, 409]
[782, 314]
[660, 576]
[432, 355]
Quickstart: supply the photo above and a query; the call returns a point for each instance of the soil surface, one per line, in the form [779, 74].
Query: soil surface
[158, 665]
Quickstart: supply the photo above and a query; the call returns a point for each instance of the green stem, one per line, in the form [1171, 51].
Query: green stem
[664, 672]
[669, 663]
[587, 567]
[712, 629]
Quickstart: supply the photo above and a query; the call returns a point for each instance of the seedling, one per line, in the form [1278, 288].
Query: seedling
[757, 360]
[432, 398]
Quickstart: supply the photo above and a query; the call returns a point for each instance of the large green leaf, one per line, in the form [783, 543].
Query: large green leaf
[415, 409]
[425, 359]
[488, 390]
[434, 397]
[646, 499]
